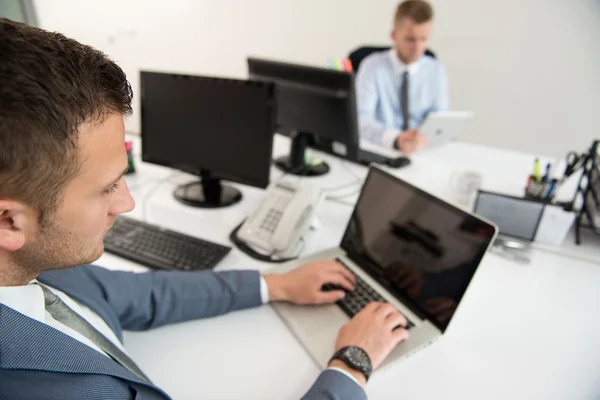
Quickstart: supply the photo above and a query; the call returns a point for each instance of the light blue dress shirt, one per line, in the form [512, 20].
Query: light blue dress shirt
[378, 84]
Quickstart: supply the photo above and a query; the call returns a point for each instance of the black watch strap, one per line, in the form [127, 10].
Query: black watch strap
[355, 358]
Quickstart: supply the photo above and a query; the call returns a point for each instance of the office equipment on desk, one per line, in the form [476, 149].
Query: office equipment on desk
[536, 170]
[316, 107]
[155, 247]
[544, 187]
[574, 162]
[517, 220]
[211, 127]
[513, 250]
[547, 175]
[515, 217]
[442, 126]
[551, 189]
[405, 247]
[278, 225]
[586, 201]
[535, 189]
[541, 191]
[555, 224]
[464, 186]
[523, 221]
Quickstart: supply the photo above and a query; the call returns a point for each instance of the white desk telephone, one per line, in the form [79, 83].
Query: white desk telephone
[282, 219]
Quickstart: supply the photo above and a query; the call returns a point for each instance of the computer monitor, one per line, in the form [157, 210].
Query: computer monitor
[316, 107]
[19, 10]
[214, 128]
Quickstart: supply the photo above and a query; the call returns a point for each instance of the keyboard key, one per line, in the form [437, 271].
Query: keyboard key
[359, 298]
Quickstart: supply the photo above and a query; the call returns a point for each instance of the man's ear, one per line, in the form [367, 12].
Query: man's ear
[14, 217]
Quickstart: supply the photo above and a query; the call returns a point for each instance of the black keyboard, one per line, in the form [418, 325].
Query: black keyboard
[356, 300]
[160, 248]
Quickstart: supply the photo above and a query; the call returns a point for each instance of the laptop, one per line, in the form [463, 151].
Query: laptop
[517, 219]
[405, 247]
[442, 126]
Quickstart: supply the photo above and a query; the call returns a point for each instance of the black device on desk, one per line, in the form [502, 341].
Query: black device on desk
[214, 128]
[516, 217]
[316, 107]
[518, 220]
[160, 248]
[588, 189]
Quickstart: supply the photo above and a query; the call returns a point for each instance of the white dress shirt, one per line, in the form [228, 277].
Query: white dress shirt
[378, 84]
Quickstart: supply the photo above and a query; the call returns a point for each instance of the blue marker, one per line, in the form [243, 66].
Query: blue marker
[550, 189]
[547, 175]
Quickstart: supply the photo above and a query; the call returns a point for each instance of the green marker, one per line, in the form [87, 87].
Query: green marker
[536, 170]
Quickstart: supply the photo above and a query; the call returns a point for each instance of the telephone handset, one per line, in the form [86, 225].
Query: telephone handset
[282, 219]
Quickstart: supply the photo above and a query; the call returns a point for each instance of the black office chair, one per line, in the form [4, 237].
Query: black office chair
[361, 53]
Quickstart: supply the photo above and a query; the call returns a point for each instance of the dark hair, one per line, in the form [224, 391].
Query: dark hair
[49, 86]
[420, 11]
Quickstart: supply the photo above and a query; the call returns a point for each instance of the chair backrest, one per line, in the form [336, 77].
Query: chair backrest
[361, 53]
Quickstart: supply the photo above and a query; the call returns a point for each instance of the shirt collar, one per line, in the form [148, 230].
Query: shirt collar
[26, 299]
[399, 67]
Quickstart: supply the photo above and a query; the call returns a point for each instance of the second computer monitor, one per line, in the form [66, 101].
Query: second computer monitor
[315, 107]
[214, 128]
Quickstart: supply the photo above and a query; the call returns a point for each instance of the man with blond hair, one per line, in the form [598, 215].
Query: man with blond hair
[396, 89]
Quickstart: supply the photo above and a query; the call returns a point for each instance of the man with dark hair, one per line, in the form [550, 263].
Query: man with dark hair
[396, 89]
[62, 161]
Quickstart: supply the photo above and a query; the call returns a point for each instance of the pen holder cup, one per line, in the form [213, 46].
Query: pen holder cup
[538, 190]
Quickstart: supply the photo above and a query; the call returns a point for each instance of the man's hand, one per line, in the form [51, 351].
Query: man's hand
[411, 141]
[373, 330]
[303, 285]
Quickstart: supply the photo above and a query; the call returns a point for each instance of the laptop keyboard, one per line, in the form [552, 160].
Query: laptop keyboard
[356, 300]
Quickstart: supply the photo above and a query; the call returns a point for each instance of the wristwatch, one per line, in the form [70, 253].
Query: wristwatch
[356, 358]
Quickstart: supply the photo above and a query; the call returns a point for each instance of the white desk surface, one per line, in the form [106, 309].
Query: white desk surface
[522, 331]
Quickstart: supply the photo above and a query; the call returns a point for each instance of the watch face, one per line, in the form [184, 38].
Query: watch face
[357, 356]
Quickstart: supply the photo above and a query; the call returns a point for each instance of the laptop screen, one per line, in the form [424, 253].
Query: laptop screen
[420, 248]
[515, 217]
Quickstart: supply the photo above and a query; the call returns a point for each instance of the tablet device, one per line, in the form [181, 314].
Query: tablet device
[442, 126]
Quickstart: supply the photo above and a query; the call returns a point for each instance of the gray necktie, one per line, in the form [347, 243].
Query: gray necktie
[63, 313]
[404, 101]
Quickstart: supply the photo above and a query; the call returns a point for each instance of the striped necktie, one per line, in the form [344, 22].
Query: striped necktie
[404, 101]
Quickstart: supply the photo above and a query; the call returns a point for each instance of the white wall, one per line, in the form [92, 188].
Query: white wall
[529, 69]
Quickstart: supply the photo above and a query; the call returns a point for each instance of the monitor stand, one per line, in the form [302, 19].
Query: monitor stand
[294, 164]
[207, 193]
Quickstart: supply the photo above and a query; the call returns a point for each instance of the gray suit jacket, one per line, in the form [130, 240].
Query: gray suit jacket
[40, 362]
